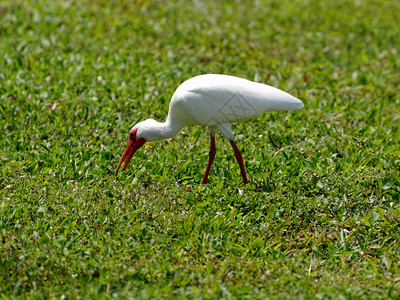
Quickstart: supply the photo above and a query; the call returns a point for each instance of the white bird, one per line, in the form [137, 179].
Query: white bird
[215, 101]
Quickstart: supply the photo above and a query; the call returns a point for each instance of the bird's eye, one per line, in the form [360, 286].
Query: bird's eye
[132, 135]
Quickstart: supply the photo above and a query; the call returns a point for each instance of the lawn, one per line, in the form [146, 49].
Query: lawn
[320, 215]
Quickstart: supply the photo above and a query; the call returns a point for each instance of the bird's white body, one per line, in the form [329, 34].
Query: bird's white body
[215, 101]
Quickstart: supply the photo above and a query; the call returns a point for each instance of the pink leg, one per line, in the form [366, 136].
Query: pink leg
[240, 160]
[211, 156]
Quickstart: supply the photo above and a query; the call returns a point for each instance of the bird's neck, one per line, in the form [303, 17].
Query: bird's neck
[168, 129]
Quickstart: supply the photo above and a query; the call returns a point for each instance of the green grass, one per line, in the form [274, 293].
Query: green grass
[320, 217]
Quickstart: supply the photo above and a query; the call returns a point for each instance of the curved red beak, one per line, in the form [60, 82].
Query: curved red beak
[133, 145]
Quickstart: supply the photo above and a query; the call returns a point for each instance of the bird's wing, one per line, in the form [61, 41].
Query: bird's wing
[215, 99]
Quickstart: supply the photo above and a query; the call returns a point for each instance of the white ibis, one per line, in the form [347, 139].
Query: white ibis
[215, 101]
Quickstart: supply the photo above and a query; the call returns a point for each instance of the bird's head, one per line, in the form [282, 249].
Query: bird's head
[146, 131]
[135, 141]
